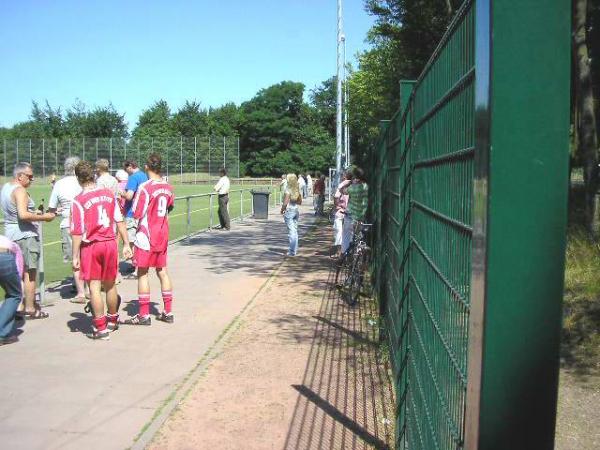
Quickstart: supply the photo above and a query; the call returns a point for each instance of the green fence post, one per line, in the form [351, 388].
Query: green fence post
[378, 210]
[406, 90]
[521, 179]
[402, 238]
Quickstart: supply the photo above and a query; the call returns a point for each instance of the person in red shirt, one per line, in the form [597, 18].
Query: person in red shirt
[153, 201]
[94, 213]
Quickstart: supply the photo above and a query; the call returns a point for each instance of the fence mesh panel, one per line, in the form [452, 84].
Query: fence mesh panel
[422, 197]
[185, 159]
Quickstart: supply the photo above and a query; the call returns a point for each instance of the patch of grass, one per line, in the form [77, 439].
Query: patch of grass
[581, 312]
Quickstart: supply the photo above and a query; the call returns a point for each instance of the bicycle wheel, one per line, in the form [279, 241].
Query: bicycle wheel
[343, 268]
[355, 280]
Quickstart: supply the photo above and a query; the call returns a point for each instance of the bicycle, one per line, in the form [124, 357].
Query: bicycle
[349, 276]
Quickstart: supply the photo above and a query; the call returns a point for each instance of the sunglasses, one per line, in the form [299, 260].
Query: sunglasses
[31, 177]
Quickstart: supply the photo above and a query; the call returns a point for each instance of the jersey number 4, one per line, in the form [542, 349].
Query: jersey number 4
[103, 219]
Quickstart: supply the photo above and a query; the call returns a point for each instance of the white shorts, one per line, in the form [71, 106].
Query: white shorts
[348, 233]
[338, 230]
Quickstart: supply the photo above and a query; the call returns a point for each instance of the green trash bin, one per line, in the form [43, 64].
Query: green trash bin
[260, 204]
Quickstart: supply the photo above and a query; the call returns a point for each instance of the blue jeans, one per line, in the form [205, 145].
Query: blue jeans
[291, 216]
[11, 283]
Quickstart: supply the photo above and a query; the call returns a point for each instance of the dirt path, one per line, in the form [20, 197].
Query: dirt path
[302, 371]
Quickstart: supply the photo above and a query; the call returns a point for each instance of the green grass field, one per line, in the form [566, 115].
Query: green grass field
[200, 219]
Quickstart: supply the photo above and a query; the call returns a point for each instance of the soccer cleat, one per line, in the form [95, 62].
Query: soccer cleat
[168, 318]
[112, 326]
[137, 320]
[103, 335]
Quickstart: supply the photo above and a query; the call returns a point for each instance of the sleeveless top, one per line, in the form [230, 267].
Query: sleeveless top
[292, 203]
[16, 229]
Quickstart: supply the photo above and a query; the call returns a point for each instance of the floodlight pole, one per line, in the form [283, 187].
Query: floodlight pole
[346, 126]
[338, 122]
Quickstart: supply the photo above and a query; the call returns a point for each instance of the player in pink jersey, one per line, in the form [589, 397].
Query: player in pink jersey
[94, 213]
[153, 201]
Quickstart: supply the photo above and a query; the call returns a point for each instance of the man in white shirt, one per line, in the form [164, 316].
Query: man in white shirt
[309, 184]
[222, 188]
[302, 185]
[63, 193]
[104, 178]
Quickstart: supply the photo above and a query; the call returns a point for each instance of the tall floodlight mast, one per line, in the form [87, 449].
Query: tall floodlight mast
[338, 118]
[346, 124]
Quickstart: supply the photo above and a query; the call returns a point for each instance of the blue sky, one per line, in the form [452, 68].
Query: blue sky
[132, 53]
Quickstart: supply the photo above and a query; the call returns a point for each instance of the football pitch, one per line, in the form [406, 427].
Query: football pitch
[240, 203]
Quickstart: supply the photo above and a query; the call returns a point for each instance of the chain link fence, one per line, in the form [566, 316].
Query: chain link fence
[186, 159]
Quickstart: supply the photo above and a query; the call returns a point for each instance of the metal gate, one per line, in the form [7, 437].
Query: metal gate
[469, 188]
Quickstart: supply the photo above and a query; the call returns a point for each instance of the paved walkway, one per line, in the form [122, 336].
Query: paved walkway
[60, 390]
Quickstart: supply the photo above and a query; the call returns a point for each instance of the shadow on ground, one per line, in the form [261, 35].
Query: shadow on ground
[247, 252]
[345, 400]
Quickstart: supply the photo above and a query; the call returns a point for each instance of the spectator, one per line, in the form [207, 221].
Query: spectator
[222, 188]
[309, 184]
[20, 226]
[136, 178]
[122, 178]
[283, 183]
[302, 185]
[11, 272]
[340, 202]
[63, 193]
[289, 208]
[358, 193]
[103, 177]
[319, 192]
[282, 187]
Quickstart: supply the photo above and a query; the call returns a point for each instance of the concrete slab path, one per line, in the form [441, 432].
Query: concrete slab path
[60, 390]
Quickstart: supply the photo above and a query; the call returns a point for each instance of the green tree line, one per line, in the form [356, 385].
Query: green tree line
[404, 36]
[279, 131]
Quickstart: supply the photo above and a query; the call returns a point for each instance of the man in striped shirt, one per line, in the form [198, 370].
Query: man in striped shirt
[358, 200]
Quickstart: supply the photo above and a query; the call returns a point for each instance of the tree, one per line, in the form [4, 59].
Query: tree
[323, 99]
[280, 133]
[155, 121]
[269, 124]
[405, 34]
[585, 122]
[191, 120]
[104, 121]
[415, 25]
[224, 120]
[374, 93]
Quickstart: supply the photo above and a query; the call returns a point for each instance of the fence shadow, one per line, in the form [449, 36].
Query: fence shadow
[346, 398]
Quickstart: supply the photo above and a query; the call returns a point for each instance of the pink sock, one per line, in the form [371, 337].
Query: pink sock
[144, 304]
[99, 323]
[167, 300]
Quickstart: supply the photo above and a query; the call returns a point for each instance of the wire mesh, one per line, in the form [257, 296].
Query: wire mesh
[422, 203]
[185, 159]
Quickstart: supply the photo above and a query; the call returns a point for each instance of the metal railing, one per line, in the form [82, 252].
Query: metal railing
[469, 289]
[197, 215]
[240, 206]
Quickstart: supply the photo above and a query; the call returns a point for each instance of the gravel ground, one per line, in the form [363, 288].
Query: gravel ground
[578, 421]
[303, 371]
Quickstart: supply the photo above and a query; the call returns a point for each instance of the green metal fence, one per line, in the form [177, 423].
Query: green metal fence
[439, 231]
